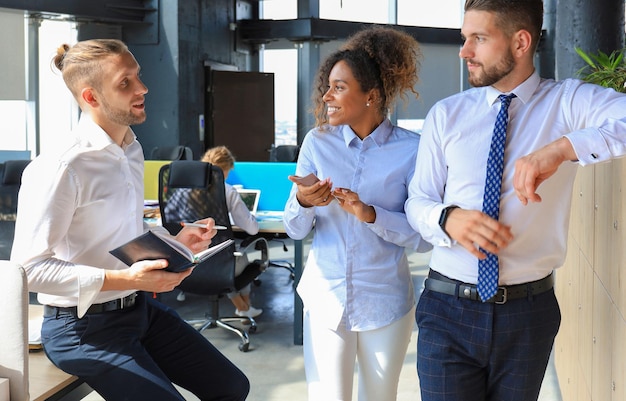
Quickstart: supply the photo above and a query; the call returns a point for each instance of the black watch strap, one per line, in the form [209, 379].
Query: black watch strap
[443, 218]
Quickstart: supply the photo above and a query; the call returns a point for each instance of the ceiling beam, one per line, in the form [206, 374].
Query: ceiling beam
[117, 11]
[323, 30]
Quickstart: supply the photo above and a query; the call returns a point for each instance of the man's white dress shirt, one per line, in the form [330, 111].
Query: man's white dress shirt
[74, 207]
[452, 158]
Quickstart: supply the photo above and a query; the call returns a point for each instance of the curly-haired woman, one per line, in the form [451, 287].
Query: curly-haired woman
[356, 287]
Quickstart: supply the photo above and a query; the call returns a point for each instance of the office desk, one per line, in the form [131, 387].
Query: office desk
[46, 381]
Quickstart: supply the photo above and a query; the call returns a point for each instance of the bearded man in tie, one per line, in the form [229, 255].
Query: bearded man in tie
[491, 191]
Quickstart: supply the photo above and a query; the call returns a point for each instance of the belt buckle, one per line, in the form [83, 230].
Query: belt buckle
[504, 296]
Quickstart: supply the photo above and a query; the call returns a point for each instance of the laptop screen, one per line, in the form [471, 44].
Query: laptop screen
[251, 198]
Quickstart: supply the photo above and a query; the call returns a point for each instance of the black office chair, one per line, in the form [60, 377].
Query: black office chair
[191, 190]
[178, 152]
[10, 182]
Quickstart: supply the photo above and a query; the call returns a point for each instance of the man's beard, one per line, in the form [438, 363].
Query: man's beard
[490, 76]
[121, 117]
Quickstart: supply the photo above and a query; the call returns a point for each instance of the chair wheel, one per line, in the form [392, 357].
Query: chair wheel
[244, 347]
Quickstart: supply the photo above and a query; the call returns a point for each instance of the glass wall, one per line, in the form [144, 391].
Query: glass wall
[433, 14]
[375, 11]
[278, 9]
[284, 62]
[57, 109]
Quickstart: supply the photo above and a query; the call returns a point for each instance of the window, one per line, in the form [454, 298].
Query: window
[439, 14]
[58, 111]
[283, 63]
[278, 9]
[376, 11]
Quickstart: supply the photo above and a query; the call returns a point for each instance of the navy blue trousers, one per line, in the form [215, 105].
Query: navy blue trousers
[473, 351]
[136, 354]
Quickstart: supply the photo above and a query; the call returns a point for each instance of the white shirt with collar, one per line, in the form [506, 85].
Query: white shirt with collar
[74, 207]
[452, 159]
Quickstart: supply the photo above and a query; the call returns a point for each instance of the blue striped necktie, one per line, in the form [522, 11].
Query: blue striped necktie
[488, 268]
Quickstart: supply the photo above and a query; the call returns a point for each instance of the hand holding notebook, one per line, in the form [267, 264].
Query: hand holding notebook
[152, 245]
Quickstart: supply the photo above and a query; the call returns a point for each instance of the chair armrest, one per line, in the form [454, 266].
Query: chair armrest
[259, 244]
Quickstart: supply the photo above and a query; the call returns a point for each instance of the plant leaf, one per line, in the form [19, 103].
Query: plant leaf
[585, 57]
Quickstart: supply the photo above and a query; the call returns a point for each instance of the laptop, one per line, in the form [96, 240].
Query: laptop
[251, 198]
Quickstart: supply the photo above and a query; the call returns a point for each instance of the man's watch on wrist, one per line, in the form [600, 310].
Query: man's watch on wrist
[443, 218]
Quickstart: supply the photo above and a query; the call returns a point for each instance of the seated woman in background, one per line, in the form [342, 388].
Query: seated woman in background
[221, 157]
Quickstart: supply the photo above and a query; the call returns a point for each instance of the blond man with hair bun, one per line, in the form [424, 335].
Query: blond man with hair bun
[78, 204]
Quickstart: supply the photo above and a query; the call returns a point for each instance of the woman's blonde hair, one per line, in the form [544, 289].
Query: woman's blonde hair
[221, 157]
[82, 62]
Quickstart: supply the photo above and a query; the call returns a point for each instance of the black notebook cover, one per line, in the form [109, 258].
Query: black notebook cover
[150, 246]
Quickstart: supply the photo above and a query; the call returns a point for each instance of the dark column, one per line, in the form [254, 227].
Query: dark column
[308, 8]
[591, 25]
[545, 55]
[308, 62]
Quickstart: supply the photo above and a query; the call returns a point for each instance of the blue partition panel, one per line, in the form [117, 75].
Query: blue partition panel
[14, 155]
[269, 177]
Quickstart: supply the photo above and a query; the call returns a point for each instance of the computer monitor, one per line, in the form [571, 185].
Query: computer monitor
[250, 197]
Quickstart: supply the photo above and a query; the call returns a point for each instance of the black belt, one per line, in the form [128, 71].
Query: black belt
[116, 304]
[439, 283]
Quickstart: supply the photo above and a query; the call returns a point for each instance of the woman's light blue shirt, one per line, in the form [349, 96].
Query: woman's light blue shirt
[355, 268]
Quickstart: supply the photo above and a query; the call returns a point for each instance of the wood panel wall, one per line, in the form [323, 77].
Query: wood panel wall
[590, 349]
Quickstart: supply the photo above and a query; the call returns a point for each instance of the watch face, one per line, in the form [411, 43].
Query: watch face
[444, 217]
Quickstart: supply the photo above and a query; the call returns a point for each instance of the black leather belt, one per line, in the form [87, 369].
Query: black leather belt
[439, 283]
[113, 305]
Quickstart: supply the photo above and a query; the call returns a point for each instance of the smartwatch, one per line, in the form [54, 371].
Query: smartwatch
[443, 218]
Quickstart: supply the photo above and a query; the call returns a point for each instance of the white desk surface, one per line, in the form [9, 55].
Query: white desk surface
[270, 221]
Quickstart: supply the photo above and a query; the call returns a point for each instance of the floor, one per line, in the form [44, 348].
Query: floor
[273, 364]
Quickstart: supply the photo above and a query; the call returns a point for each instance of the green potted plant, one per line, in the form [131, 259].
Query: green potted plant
[608, 70]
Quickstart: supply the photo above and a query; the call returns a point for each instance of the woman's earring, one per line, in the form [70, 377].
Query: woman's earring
[367, 104]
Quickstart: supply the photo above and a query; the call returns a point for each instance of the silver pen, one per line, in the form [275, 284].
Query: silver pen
[200, 225]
